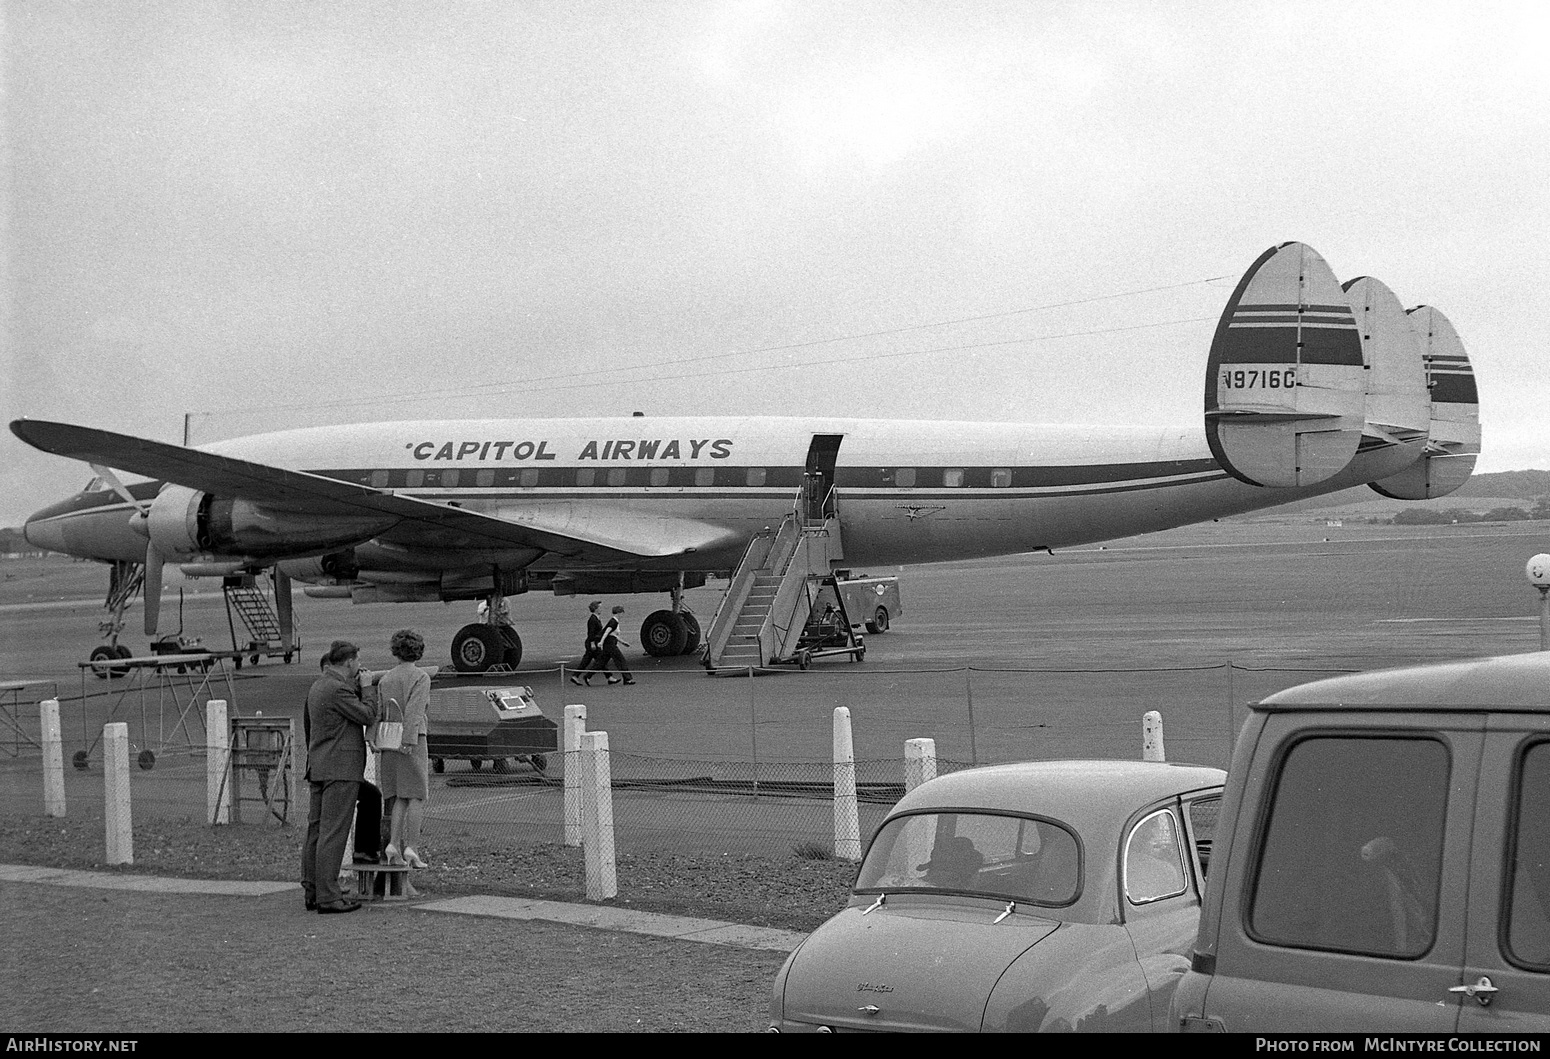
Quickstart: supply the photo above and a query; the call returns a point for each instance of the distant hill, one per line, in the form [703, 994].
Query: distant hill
[1482, 492]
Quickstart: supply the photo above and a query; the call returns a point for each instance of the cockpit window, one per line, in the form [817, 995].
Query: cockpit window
[1015, 858]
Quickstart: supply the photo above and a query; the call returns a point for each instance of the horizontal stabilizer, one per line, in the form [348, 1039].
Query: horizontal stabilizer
[1454, 442]
[1285, 389]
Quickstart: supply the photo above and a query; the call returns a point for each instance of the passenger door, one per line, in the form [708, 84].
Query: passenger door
[1509, 893]
[1343, 908]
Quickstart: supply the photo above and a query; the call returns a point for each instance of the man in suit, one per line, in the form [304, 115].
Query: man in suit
[336, 765]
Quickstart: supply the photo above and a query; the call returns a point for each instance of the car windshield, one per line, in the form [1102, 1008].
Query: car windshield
[1018, 858]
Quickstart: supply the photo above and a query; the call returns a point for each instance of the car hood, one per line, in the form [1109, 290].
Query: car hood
[923, 967]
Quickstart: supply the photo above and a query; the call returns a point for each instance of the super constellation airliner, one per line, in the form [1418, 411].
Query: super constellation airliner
[1310, 387]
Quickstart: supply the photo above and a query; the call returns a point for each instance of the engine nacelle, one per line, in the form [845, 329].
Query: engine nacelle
[327, 569]
[184, 523]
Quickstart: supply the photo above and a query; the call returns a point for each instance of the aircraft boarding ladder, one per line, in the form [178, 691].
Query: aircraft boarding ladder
[768, 601]
[269, 633]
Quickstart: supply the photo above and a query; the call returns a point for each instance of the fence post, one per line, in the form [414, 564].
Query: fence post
[919, 762]
[847, 824]
[115, 789]
[53, 758]
[575, 726]
[1152, 737]
[753, 733]
[217, 762]
[598, 795]
[968, 694]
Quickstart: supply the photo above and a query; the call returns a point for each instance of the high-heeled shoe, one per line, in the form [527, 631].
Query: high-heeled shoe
[413, 859]
[392, 854]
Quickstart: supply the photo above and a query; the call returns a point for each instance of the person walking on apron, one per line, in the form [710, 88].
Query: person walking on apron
[608, 650]
[592, 654]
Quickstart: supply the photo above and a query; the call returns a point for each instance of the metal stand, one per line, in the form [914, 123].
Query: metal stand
[265, 747]
[182, 679]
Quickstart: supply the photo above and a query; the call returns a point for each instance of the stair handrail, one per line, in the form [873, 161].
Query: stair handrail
[722, 622]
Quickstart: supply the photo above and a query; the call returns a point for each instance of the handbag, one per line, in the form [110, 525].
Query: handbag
[388, 735]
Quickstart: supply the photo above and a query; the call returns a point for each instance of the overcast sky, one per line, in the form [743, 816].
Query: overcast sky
[285, 213]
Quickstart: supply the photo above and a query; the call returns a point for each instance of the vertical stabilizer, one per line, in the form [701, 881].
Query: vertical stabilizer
[1399, 410]
[1285, 394]
[1449, 457]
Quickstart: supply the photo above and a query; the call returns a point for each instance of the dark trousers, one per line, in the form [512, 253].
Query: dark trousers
[331, 808]
[609, 652]
[368, 820]
[591, 655]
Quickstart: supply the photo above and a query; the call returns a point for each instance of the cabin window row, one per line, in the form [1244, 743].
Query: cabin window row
[684, 477]
[582, 477]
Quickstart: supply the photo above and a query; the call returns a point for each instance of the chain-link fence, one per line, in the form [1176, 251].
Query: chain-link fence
[742, 763]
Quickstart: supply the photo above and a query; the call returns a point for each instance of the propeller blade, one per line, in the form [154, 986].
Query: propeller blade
[118, 487]
[153, 564]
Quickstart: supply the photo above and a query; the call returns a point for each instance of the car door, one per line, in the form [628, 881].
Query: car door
[1344, 911]
[1507, 949]
[1159, 883]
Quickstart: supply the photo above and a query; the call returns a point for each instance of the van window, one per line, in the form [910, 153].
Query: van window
[1351, 858]
[1528, 896]
[1154, 867]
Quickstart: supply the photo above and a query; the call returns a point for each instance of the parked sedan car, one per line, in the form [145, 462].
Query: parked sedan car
[1056, 895]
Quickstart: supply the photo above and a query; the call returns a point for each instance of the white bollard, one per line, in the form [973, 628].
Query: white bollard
[217, 763]
[53, 758]
[919, 762]
[1152, 737]
[847, 824]
[575, 726]
[115, 790]
[598, 812]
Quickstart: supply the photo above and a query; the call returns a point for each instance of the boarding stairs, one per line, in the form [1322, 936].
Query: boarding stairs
[769, 599]
[267, 630]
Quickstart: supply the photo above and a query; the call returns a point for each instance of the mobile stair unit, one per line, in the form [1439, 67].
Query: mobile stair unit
[765, 612]
[269, 624]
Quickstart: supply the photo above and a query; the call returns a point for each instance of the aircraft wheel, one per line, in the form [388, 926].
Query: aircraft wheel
[500, 764]
[438, 765]
[512, 655]
[663, 633]
[146, 760]
[692, 628]
[476, 763]
[104, 653]
[80, 760]
[476, 648]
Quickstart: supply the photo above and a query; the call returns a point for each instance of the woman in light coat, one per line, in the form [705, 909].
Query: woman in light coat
[405, 773]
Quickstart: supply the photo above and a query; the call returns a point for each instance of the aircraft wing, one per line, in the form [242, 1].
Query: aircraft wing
[615, 536]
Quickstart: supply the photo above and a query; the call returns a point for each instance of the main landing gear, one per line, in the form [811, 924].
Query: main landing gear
[483, 645]
[671, 632]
